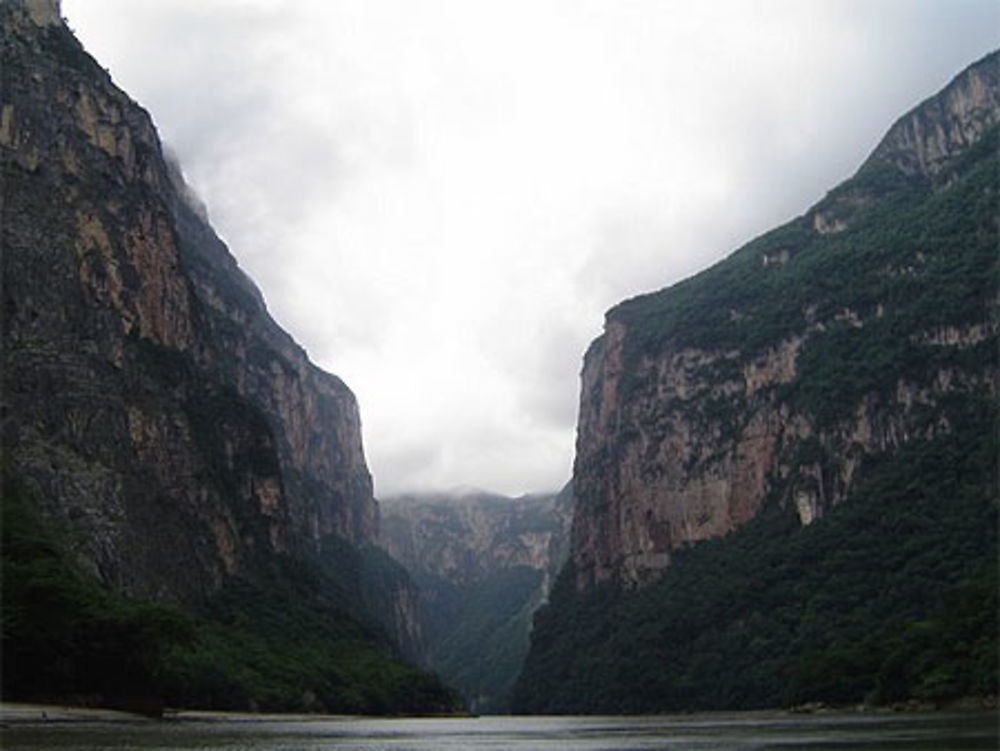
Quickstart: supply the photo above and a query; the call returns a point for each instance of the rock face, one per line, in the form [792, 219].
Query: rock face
[467, 536]
[484, 563]
[924, 140]
[780, 372]
[150, 402]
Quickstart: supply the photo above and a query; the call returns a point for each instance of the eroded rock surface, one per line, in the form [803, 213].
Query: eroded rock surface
[150, 402]
[779, 372]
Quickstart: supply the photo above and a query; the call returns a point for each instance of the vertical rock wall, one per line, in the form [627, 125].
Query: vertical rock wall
[150, 403]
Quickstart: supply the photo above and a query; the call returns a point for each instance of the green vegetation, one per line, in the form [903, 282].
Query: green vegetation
[478, 632]
[281, 641]
[481, 579]
[64, 637]
[919, 253]
[891, 596]
[274, 644]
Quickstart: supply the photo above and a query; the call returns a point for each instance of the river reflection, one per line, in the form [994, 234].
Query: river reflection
[712, 732]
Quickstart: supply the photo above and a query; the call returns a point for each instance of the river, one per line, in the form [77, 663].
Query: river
[939, 731]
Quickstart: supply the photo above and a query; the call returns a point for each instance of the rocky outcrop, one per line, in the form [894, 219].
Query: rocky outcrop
[150, 403]
[925, 139]
[779, 373]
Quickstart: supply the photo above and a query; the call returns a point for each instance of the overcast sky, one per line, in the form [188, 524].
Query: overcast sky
[439, 199]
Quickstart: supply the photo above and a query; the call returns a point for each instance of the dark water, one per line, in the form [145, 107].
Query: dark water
[933, 731]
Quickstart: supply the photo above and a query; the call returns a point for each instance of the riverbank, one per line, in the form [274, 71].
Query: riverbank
[30, 714]
[16, 713]
[874, 731]
[20, 714]
[963, 704]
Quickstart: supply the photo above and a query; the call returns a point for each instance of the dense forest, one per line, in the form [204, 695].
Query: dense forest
[892, 596]
[287, 641]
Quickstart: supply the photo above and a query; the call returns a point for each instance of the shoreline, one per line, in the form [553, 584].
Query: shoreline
[26, 713]
[18, 714]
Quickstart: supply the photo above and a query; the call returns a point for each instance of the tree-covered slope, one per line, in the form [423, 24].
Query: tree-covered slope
[890, 597]
[295, 637]
[786, 470]
[483, 564]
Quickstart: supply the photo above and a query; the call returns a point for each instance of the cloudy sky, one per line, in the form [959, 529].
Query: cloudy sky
[440, 198]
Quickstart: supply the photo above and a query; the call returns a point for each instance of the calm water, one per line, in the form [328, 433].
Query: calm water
[937, 731]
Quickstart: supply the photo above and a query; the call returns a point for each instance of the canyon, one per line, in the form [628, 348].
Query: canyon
[784, 489]
[483, 564]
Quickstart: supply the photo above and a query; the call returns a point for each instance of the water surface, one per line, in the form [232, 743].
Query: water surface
[709, 732]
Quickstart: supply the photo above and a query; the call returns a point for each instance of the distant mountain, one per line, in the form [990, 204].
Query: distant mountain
[786, 465]
[164, 441]
[484, 563]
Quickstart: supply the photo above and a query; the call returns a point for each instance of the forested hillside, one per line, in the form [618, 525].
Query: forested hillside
[786, 468]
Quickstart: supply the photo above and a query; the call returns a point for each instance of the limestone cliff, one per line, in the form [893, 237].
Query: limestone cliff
[785, 370]
[150, 402]
[484, 563]
[466, 536]
[925, 139]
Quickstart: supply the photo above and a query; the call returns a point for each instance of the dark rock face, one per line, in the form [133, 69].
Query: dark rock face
[149, 400]
[781, 371]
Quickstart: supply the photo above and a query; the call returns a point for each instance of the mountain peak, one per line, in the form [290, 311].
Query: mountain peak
[944, 125]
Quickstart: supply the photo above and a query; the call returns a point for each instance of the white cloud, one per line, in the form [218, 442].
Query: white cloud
[440, 199]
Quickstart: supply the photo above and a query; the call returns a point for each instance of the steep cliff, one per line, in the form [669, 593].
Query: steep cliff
[148, 395]
[786, 467]
[484, 563]
[465, 536]
[840, 336]
[161, 422]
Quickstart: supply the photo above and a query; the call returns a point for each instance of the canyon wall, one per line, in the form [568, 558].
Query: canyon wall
[464, 537]
[150, 403]
[484, 564]
[781, 371]
[786, 469]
